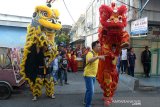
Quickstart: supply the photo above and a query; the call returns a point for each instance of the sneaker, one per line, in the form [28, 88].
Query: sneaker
[66, 83]
[34, 98]
[84, 103]
[53, 96]
[55, 83]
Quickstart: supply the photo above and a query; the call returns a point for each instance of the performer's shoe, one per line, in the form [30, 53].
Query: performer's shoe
[34, 98]
[53, 96]
[107, 100]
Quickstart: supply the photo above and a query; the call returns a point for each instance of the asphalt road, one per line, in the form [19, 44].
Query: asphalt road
[72, 96]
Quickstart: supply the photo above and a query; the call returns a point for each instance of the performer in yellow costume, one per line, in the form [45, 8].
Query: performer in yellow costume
[40, 50]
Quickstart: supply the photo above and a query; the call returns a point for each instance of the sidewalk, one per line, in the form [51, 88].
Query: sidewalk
[153, 81]
[141, 83]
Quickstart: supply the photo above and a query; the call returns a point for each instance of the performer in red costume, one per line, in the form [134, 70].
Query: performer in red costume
[74, 64]
[112, 38]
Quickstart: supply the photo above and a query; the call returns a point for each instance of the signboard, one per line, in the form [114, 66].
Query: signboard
[139, 26]
[154, 33]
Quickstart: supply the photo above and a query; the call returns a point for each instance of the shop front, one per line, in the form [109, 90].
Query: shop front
[151, 39]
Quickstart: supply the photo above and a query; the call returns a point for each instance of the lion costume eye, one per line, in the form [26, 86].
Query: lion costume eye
[111, 18]
[53, 21]
[120, 18]
[44, 13]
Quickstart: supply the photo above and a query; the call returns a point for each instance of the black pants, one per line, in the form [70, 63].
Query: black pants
[63, 76]
[123, 65]
[146, 67]
[131, 71]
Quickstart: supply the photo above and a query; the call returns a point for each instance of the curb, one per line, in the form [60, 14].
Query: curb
[131, 82]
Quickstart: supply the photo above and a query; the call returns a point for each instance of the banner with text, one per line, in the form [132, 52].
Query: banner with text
[139, 26]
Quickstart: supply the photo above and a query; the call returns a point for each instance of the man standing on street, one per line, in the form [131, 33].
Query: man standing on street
[146, 61]
[90, 71]
[124, 60]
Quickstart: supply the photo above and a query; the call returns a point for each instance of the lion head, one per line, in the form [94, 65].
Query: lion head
[113, 18]
[46, 18]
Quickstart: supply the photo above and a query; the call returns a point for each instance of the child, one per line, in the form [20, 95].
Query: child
[55, 69]
[63, 68]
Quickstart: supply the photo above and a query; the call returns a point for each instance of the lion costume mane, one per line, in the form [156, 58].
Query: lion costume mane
[112, 38]
[40, 49]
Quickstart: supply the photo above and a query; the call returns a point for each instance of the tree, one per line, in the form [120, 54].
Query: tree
[62, 37]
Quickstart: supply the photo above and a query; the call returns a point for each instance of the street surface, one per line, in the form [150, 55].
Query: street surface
[72, 96]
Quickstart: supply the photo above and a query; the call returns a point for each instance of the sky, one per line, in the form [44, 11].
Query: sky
[26, 8]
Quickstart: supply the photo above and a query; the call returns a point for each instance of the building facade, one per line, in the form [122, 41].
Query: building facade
[78, 33]
[13, 30]
[149, 9]
[136, 9]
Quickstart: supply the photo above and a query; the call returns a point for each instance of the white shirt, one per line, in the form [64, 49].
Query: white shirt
[55, 64]
[124, 54]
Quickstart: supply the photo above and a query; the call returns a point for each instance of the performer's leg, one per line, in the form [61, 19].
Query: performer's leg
[114, 83]
[49, 85]
[111, 81]
[37, 88]
[107, 82]
[30, 83]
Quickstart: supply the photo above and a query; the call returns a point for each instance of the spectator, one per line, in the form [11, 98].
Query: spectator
[85, 51]
[62, 50]
[124, 60]
[69, 60]
[55, 69]
[131, 62]
[63, 68]
[146, 61]
[90, 72]
[118, 65]
[74, 64]
[15, 59]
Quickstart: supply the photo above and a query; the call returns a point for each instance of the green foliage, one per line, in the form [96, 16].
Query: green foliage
[62, 37]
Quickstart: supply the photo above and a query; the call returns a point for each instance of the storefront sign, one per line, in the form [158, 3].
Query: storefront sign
[139, 26]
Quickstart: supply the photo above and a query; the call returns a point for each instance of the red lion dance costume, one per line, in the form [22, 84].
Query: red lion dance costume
[112, 38]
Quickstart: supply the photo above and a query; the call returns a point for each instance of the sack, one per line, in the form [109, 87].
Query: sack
[84, 59]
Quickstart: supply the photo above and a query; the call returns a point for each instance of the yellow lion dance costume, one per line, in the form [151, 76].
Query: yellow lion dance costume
[40, 50]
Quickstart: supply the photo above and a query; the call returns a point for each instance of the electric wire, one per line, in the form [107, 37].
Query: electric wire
[68, 11]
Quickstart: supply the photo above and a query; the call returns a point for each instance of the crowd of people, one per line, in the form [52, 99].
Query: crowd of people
[66, 61]
[126, 61]
[127, 58]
